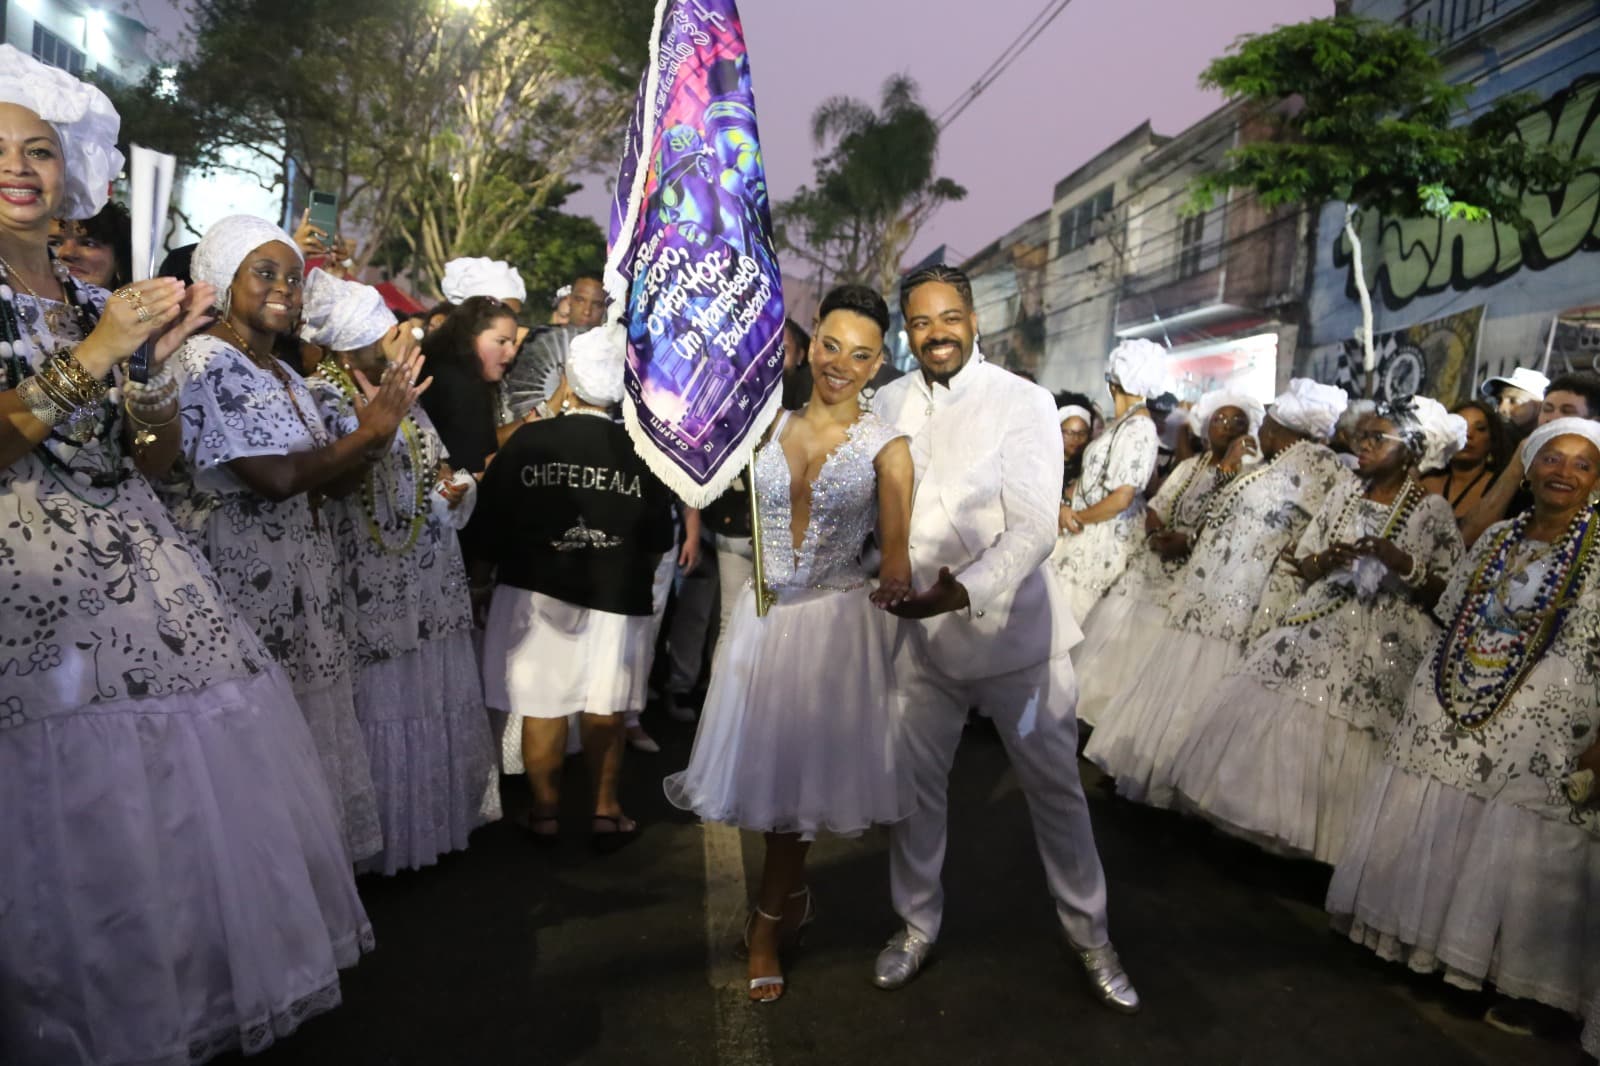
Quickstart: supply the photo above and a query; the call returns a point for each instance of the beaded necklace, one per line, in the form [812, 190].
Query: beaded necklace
[1226, 494]
[420, 469]
[15, 343]
[1406, 502]
[1474, 645]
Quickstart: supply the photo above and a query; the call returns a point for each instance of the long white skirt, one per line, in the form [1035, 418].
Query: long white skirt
[330, 712]
[1440, 879]
[1118, 639]
[1276, 770]
[174, 881]
[546, 658]
[1140, 743]
[797, 732]
[433, 762]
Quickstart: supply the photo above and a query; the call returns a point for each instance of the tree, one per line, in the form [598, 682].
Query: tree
[464, 120]
[1363, 115]
[874, 190]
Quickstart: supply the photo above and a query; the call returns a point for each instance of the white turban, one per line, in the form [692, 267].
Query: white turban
[1072, 410]
[1310, 408]
[594, 364]
[1201, 413]
[228, 242]
[1587, 428]
[84, 121]
[343, 316]
[1433, 434]
[1140, 367]
[465, 278]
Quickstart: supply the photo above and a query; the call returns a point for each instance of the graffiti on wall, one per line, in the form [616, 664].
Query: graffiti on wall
[1435, 358]
[1412, 257]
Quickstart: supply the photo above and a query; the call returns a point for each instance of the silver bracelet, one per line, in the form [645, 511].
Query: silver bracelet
[39, 403]
[151, 395]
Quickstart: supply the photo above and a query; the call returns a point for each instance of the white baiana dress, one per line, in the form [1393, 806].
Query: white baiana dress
[1209, 617]
[408, 617]
[1121, 628]
[1470, 856]
[173, 881]
[275, 558]
[797, 735]
[1283, 751]
[1086, 564]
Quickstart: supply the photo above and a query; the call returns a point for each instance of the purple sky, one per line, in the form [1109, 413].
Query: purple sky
[1100, 69]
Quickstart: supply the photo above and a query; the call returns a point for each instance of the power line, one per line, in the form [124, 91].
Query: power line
[1160, 236]
[1002, 62]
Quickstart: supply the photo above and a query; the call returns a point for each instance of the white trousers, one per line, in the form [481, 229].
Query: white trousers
[1033, 711]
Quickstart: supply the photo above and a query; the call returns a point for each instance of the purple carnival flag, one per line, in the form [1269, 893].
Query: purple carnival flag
[692, 272]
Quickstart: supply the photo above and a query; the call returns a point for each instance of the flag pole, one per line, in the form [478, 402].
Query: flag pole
[765, 597]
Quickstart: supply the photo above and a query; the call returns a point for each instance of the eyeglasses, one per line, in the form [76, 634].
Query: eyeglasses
[1375, 438]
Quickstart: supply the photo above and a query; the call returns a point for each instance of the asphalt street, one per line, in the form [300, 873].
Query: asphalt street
[509, 953]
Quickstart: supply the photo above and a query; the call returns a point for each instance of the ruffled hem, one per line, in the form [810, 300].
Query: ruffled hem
[175, 882]
[433, 761]
[1276, 771]
[1481, 891]
[1138, 746]
[786, 746]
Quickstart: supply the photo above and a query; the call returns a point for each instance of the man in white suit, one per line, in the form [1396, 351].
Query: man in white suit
[988, 628]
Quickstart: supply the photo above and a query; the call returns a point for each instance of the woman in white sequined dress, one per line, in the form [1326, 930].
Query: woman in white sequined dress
[795, 737]
[1282, 752]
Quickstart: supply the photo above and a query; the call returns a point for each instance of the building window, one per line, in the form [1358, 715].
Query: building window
[1192, 247]
[1077, 222]
[48, 48]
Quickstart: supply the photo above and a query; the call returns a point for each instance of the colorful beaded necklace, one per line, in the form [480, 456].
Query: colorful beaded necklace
[1406, 502]
[101, 424]
[1474, 645]
[418, 467]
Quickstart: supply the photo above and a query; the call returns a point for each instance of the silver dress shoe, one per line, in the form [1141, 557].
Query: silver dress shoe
[899, 962]
[1111, 983]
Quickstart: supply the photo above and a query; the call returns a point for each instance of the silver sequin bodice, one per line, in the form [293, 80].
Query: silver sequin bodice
[844, 510]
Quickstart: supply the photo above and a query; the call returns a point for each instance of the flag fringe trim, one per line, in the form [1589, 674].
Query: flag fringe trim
[686, 488]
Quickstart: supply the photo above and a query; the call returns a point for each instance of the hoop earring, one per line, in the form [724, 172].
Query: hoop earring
[1526, 486]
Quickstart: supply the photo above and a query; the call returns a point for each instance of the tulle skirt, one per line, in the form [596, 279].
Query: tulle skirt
[330, 712]
[797, 733]
[433, 762]
[1276, 770]
[1440, 879]
[546, 658]
[1139, 744]
[1117, 642]
[174, 884]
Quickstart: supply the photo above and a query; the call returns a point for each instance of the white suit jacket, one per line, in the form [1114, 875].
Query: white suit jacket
[987, 451]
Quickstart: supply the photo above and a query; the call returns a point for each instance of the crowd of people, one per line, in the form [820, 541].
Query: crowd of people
[283, 612]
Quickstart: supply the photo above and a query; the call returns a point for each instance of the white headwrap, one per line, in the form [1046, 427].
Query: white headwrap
[1433, 434]
[1310, 408]
[343, 316]
[1201, 413]
[1072, 410]
[1139, 366]
[594, 364]
[1587, 428]
[228, 242]
[84, 121]
[477, 276]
